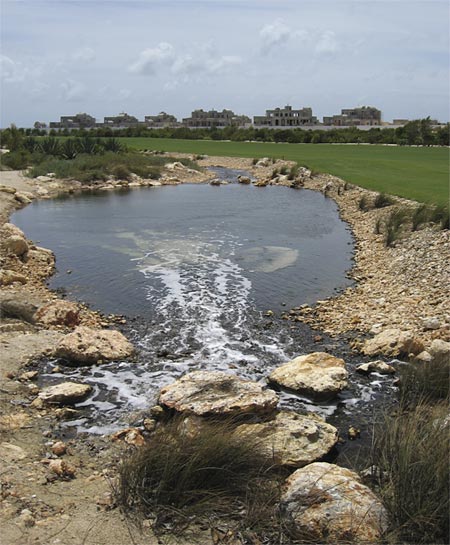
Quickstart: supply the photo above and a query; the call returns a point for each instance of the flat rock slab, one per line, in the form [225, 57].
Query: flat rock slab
[377, 366]
[291, 439]
[89, 346]
[216, 393]
[58, 313]
[329, 504]
[67, 393]
[318, 375]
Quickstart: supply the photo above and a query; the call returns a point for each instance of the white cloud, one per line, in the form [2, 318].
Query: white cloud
[274, 34]
[327, 43]
[16, 72]
[73, 91]
[150, 59]
[84, 54]
[124, 94]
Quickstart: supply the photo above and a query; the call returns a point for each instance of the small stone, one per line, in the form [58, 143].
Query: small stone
[59, 448]
[62, 468]
[377, 366]
[353, 433]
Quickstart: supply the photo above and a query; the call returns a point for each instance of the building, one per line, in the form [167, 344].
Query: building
[78, 121]
[212, 119]
[121, 121]
[286, 117]
[161, 120]
[366, 115]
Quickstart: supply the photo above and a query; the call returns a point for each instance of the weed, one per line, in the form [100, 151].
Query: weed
[394, 225]
[364, 204]
[411, 452]
[121, 172]
[440, 214]
[274, 173]
[420, 216]
[254, 161]
[382, 200]
[293, 172]
[212, 473]
[378, 226]
[284, 170]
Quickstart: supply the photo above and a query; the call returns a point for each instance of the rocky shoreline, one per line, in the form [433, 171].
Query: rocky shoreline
[400, 289]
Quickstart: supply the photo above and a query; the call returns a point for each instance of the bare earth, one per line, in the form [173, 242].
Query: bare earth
[403, 286]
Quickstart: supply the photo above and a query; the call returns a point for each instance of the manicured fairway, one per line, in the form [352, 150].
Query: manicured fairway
[421, 174]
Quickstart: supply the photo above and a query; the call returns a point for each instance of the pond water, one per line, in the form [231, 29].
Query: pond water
[195, 267]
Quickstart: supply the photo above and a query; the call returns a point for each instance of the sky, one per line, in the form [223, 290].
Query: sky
[61, 57]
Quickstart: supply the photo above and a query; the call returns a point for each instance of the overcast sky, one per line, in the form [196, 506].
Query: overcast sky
[60, 57]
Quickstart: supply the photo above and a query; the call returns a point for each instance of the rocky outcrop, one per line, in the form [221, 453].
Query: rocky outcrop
[377, 366]
[18, 307]
[58, 313]
[393, 342]
[89, 346]
[216, 393]
[318, 375]
[292, 439]
[8, 277]
[13, 240]
[67, 393]
[329, 504]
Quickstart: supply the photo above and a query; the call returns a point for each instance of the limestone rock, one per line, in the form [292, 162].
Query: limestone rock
[16, 245]
[292, 439]
[18, 307]
[431, 324]
[62, 468]
[244, 180]
[393, 342]
[23, 197]
[439, 349]
[7, 189]
[377, 366]
[318, 375]
[56, 313]
[264, 162]
[59, 448]
[131, 436]
[66, 393]
[89, 346]
[8, 277]
[329, 504]
[216, 393]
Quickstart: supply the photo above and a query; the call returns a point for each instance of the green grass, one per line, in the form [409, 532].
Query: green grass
[420, 174]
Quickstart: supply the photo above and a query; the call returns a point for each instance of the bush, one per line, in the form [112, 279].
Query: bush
[411, 452]
[293, 172]
[283, 170]
[378, 226]
[364, 203]
[382, 200]
[394, 225]
[424, 382]
[16, 160]
[121, 172]
[207, 473]
[421, 215]
[440, 214]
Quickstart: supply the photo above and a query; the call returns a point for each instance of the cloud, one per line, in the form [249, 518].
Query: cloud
[84, 54]
[16, 72]
[327, 43]
[150, 59]
[73, 91]
[124, 94]
[274, 35]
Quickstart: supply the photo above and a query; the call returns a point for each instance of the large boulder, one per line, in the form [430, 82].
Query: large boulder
[439, 349]
[14, 241]
[216, 393]
[292, 439]
[318, 375]
[58, 313]
[18, 307]
[329, 504]
[393, 342]
[67, 393]
[89, 346]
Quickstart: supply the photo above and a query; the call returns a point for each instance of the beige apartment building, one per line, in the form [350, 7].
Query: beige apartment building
[286, 117]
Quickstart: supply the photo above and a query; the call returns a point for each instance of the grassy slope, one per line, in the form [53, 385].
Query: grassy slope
[421, 174]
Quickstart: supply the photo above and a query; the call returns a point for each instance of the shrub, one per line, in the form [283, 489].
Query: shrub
[274, 173]
[378, 226]
[394, 225]
[411, 453]
[364, 204]
[424, 382]
[293, 172]
[186, 475]
[16, 160]
[121, 172]
[50, 146]
[440, 214]
[420, 216]
[382, 200]
[255, 160]
[283, 170]
[69, 148]
[112, 144]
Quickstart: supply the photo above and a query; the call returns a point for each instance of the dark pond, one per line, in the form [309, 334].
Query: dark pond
[195, 266]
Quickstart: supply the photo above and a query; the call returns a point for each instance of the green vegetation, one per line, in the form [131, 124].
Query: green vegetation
[421, 174]
[204, 475]
[411, 453]
[382, 200]
[395, 225]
